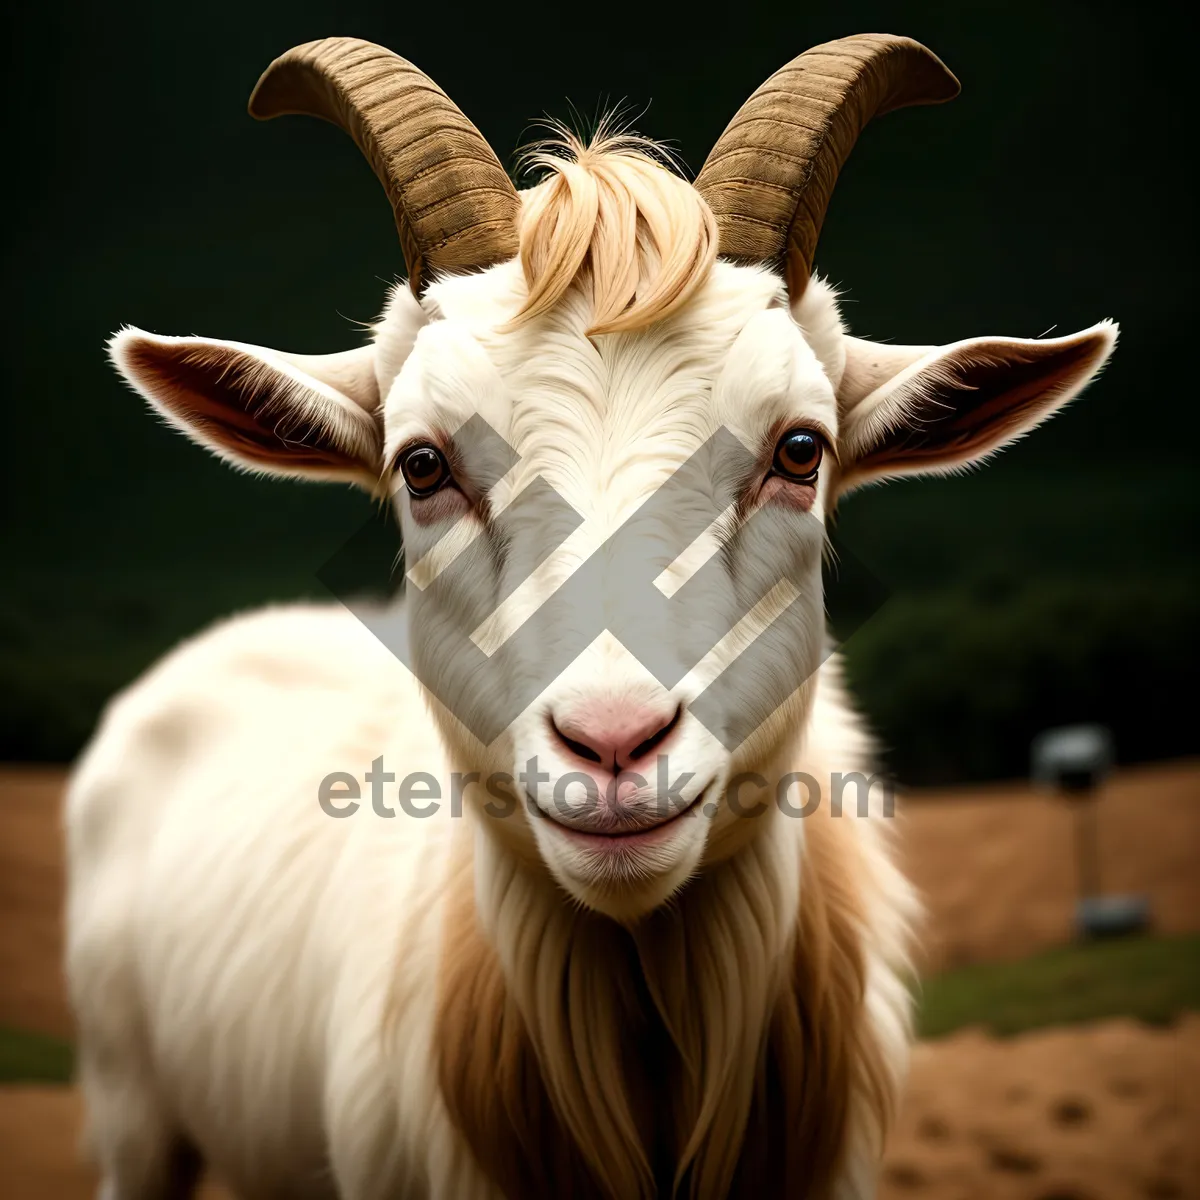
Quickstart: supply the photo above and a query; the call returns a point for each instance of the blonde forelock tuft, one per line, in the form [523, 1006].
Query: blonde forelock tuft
[612, 218]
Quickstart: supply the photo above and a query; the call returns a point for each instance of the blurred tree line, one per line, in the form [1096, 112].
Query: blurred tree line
[1058, 584]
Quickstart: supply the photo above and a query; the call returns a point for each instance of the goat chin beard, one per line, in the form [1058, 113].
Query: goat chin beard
[625, 879]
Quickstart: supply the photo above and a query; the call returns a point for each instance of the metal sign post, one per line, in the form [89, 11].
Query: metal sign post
[1074, 761]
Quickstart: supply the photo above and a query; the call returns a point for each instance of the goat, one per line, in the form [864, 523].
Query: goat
[647, 989]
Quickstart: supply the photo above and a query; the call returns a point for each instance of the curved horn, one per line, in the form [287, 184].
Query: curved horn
[456, 209]
[771, 174]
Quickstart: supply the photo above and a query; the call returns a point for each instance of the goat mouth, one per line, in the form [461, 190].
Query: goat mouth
[631, 838]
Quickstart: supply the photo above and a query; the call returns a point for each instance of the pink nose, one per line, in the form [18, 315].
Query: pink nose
[612, 736]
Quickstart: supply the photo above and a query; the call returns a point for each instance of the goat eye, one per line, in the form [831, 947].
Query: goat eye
[798, 455]
[424, 470]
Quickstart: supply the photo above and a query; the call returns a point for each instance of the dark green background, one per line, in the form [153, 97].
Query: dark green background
[1058, 584]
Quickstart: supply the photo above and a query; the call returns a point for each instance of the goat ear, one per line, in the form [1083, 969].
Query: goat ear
[911, 409]
[311, 416]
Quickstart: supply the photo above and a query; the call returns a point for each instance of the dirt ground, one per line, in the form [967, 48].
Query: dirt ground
[31, 890]
[996, 865]
[1102, 1112]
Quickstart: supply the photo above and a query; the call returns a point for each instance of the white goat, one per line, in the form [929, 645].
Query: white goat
[669, 990]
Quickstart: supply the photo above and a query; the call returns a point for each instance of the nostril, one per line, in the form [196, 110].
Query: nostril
[576, 747]
[657, 738]
[614, 740]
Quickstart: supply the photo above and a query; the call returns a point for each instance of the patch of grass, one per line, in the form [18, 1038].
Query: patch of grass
[1150, 979]
[34, 1058]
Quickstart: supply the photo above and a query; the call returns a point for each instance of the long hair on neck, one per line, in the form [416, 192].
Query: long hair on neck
[719, 1048]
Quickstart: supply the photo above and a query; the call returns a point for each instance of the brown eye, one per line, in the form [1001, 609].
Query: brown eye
[798, 455]
[424, 470]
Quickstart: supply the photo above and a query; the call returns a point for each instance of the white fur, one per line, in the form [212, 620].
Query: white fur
[234, 952]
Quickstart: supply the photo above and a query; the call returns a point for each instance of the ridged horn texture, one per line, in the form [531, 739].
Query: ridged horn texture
[456, 209]
[771, 174]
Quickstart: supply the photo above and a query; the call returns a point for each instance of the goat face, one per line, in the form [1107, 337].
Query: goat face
[595, 528]
[611, 454]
